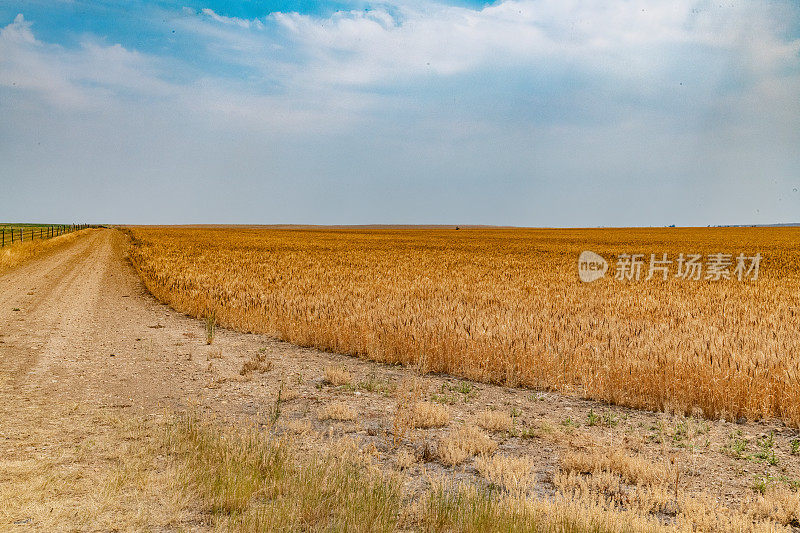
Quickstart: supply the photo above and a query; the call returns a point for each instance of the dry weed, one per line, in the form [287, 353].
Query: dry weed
[778, 503]
[405, 459]
[633, 468]
[429, 415]
[337, 376]
[337, 411]
[466, 441]
[514, 474]
[494, 420]
[258, 362]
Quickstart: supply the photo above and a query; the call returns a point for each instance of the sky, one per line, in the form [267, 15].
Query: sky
[557, 113]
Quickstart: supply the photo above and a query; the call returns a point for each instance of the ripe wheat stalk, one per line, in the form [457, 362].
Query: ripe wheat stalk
[506, 306]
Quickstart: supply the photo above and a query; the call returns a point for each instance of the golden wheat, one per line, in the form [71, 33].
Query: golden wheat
[506, 306]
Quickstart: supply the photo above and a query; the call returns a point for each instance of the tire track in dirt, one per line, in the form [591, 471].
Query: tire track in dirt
[33, 297]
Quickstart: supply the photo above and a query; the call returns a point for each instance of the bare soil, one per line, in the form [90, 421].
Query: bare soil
[78, 329]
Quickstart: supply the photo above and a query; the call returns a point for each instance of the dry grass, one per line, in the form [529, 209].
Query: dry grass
[467, 509]
[73, 467]
[17, 253]
[703, 513]
[779, 504]
[251, 481]
[429, 415]
[256, 482]
[616, 478]
[337, 376]
[177, 475]
[506, 306]
[632, 468]
[258, 362]
[337, 411]
[494, 420]
[572, 482]
[405, 459]
[298, 427]
[514, 474]
[463, 443]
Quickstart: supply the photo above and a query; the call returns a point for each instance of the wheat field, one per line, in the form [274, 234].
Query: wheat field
[506, 306]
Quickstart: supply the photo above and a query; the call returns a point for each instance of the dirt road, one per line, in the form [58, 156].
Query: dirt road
[83, 346]
[75, 326]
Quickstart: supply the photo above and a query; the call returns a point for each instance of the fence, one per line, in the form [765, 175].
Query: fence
[10, 234]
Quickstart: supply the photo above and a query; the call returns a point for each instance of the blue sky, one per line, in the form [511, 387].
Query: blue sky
[519, 112]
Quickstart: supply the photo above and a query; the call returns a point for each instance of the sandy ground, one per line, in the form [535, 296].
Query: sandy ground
[78, 328]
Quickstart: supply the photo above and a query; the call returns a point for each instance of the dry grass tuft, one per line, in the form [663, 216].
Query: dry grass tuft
[632, 468]
[337, 411]
[337, 376]
[514, 474]
[405, 459]
[258, 362]
[289, 393]
[407, 394]
[572, 482]
[466, 441]
[429, 415]
[494, 420]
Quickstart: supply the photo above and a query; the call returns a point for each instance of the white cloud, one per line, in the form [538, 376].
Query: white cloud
[23, 66]
[312, 71]
[109, 78]
[84, 77]
[18, 31]
[405, 40]
[242, 23]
